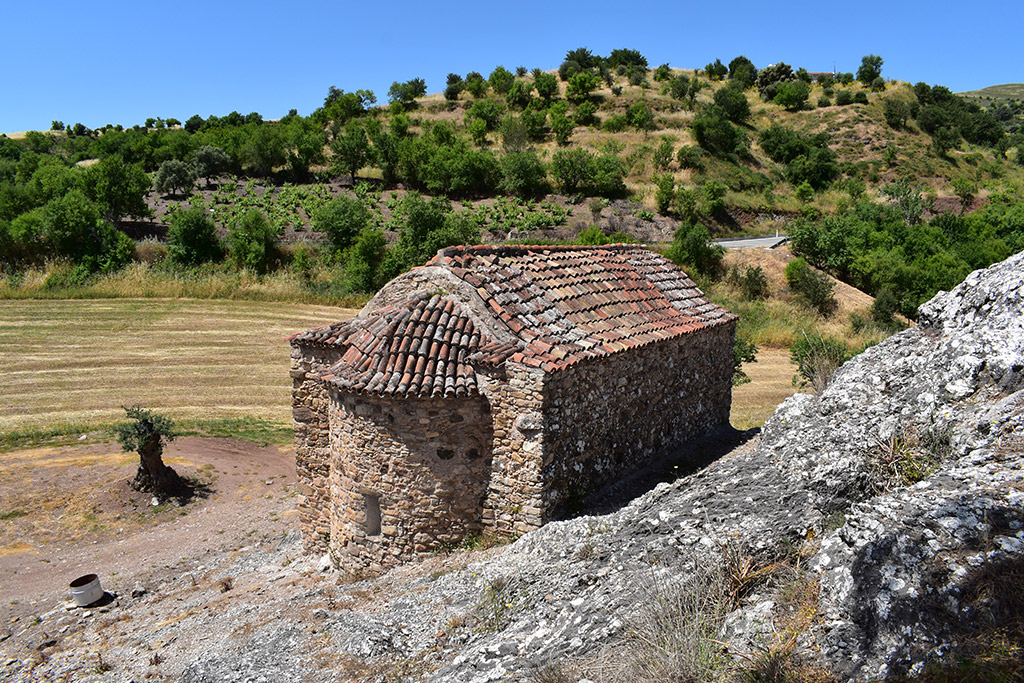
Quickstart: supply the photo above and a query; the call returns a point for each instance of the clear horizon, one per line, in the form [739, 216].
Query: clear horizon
[121, 63]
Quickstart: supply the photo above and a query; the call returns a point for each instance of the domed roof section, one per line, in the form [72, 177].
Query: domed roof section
[418, 347]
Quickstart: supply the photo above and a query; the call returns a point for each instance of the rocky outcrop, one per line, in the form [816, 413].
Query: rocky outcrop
[895, 499]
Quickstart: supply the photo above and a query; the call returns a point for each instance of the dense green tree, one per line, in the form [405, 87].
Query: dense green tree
[792, 94]
[406, 93]
[363, 261]
[712, 131]
[743, 71]
[572, 169]
[626, 57]
[716, 71]
[426, 227]
[342, 219]
[71, 227]
[561, 125]
[580, 86]
[194, 123]
[340, 106]
[546, 85]
[454, 87]
[519, 94]
[351, 150]
[769, 78]
[209, 162]
[501, 80]
[455, 169]
[665, 192]
[175, 177]
[583, 57]
[192, 237]
[692, 248]
[679, 87]
[523, 174]
[663, 73]
[118, 188]
[534, 123]
[870, 68]
[252, 240]
[733, 102]
[305, 147]
[586, 114]
[488, 110]
[640, 116]
[896, 111]
[263, 149]
[475, 84]
[816, 167]
[608, 176]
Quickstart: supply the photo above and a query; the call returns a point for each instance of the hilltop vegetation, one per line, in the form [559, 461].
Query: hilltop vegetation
[341, 200]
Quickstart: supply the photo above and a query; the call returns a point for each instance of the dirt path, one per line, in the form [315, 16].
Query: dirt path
[68, 511]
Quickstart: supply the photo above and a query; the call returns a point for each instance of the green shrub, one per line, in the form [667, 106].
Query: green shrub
[817, 357]
[743, 351]
[640, 116]
[884, 307]
[192, 237]
[690, 157]
[665, 192]
[592, 236]
[616, 123]
[815, 287]
[752, 283]
[844, 97]
[252, 241]
[341, 219]
[523, 174]
[692, 248]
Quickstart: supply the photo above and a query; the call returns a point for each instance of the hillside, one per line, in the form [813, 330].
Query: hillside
[895, 553]
[996, 93]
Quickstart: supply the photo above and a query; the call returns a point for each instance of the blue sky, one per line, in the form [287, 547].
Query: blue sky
[121, 62]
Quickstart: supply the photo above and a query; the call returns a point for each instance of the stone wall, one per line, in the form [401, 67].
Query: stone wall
[407, 476]
[312, 441]
[514, 497]
[603, 417]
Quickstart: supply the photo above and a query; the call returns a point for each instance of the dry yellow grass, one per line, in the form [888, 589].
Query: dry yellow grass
[79, 361]
[771, 383]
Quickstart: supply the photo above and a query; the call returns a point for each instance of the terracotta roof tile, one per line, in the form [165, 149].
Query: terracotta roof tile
[418, 347]
[572, 303]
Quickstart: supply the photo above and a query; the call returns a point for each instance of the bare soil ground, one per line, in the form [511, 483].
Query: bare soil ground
[72, 513]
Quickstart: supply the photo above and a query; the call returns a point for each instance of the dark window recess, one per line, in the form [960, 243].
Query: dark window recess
[472, 454]
[372, 502]
[445, 454]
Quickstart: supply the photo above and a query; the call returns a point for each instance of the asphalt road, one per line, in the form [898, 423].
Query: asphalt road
[748, 242]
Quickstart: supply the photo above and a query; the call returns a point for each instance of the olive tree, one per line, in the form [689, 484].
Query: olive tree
[145, 433]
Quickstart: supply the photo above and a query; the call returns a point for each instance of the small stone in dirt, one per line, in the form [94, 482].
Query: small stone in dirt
[138, 591]
[4, 635]
[86, 614]
[155, 501]
[325, 563]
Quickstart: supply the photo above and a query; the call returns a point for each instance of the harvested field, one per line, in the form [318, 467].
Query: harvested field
[78, 361]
